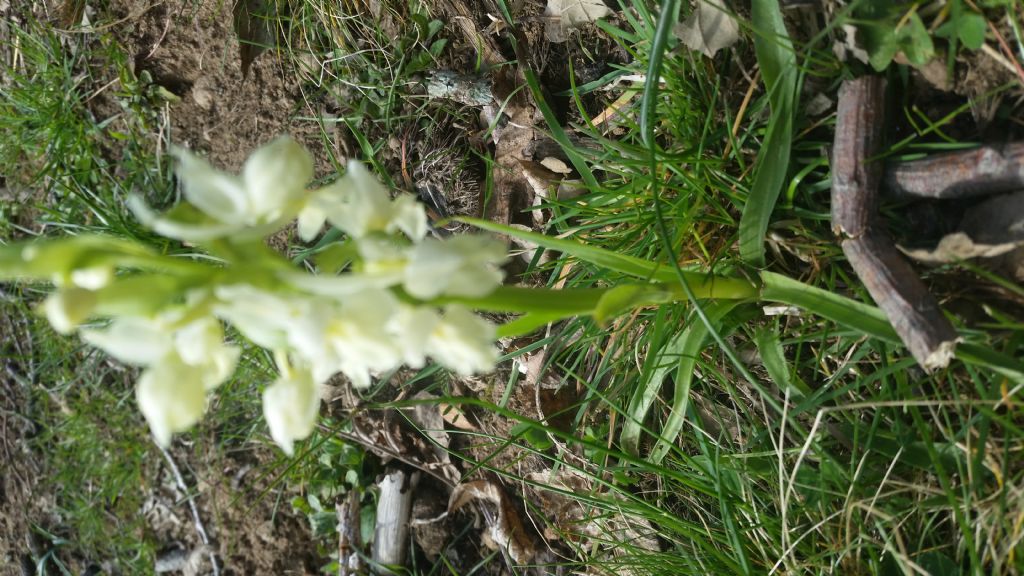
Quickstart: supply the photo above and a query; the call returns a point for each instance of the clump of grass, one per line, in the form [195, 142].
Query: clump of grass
[79, 167]
[96, 447]
[816, 447]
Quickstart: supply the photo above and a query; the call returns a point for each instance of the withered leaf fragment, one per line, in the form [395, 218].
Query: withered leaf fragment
[508, 530]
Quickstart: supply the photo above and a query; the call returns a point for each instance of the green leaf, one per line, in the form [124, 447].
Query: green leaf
[534, 436]
[916, 42]
[438, 46]
[776, 56]
[882, 44]
[971, 28]
[774, 360]
[862, 317]
[871, 321]
[693, 340]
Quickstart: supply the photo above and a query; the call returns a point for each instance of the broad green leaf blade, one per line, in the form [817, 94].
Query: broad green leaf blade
[861, 317]
[694, 340]
[971, 29]
[777, 59]
[646, 392]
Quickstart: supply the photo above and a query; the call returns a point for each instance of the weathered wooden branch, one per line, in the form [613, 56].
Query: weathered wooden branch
[962, 174]
[899, 292]
[855, 176]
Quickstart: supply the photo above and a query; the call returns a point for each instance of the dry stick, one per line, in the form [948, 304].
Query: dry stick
[859, 116]
[180, 482]
[349, 543]
[912, 310]
[981, 171]
[899, 292]
[391, 535]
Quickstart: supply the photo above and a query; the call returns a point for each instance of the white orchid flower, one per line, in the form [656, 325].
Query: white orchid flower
[291, 406]
[148, 341]
[92, 278]
[459, 266]
[270, 190]
[133, 340]
[359, 205]
[68, 307]
[172, 397]
[412, 327]
[184, 362]
[346, 335]
[358, 337]
[463, 342]
[266, 318]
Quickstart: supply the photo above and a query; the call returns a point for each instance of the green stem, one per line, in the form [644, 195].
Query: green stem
[576, 301]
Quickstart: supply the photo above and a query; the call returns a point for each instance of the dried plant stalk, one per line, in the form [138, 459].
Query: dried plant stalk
[391, 534]
[859, 121]
[962, 174]
[899, 292]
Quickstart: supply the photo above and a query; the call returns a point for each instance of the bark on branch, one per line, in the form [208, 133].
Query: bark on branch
[962, 174]
[899, 292]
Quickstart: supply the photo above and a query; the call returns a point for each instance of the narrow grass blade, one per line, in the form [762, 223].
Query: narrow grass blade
[558, 134]
[777, 60]
[774, 360]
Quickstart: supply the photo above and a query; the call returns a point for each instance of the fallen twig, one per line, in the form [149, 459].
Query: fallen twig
[899, 292]
[391, 534]
[855, 179]
[981, 171]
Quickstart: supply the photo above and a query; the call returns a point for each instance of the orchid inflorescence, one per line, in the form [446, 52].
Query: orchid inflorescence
[384, 296]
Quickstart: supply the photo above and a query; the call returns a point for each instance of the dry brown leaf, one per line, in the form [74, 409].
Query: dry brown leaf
[428, 418]
[455, 416]
[709, 28]
[556, 165]
[992, 229]
[960, 246]
[508, 531]
[568, 14]
[575, 517]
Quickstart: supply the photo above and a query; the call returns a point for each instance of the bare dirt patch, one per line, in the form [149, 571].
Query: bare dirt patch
[190, 49]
